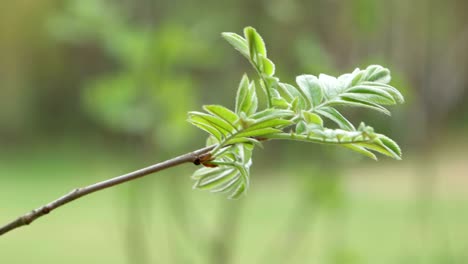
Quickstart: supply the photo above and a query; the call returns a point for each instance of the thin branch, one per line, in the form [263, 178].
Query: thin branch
[193, 157]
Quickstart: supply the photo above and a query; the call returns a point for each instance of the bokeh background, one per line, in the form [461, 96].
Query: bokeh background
[90, 89]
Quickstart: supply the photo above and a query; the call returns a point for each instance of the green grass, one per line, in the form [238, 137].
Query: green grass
[379, 219]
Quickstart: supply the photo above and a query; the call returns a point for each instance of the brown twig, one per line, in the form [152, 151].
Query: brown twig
[28, 218]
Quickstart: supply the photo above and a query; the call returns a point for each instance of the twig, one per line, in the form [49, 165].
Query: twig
[193, 157]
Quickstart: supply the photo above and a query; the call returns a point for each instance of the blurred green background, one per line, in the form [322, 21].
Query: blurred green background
[90, 89]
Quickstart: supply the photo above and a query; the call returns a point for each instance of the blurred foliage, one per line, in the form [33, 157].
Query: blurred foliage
[151, 89]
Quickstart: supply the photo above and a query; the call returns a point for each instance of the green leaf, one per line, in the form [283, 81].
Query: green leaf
[238, 42]
[269, 122]
[237, 140]
[377, 73]
[226, 186]
[231, 174]
[396, 95]
[292, 93]
[246, 151]
[310, 88]
[270, 113]
[208, 128]
[268, 67]
[219, 179]
[380, 95]
[331, 87]
[223, 113]
[211, 140]
[311, 118]
[280, 102]
[242, 93]
[380, 149]
[345, 80]
[250, 107]
[210, 181]
[335, 116]
[287, 91]
[346, 101]
[240, 190]
[360, 150]
[390, 144]
[204, 172]
[246, 98]
[270, 81]
[214, 121]
[301, 127]
[255, 43]
[358, 76]
[369, 97]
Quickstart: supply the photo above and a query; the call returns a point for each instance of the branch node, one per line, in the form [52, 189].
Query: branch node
[27, 219]
[45, 210]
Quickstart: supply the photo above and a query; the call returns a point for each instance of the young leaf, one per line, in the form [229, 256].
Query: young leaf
[268, 67]
[373, 90]
[206, 172]
[390, 144]
[246, 98]
[331, 87]
[270, 113]
[280, 102]
[377, 73]
[396, 95]
[238, 192]
[369, 97]
[311, 118]
[213, 131]
[250, 140]
[335, 116]
[270, 81]
[226, 186]
[380, 149]
[214, 121]
[270, 122]
[223, 113]
[242, 93]
[209, 181]
[295, 94]
[301, 127]
[357, 78]
[238, 42]
[231, 174]
[347, 101]
[310, 88]
[255, 43]
[208, 126]
[360, 150]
